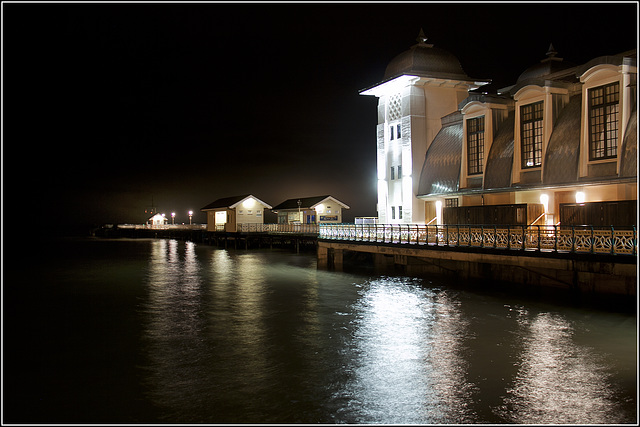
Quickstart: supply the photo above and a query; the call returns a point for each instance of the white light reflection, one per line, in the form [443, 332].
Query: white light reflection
[411, 367]
[558, 381]
[174, 322]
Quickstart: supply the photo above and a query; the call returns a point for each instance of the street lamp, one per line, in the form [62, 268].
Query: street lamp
[190, 215]
[173, 218]
[299, 213]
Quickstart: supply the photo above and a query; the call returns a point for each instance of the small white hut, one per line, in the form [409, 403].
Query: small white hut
[157, 219]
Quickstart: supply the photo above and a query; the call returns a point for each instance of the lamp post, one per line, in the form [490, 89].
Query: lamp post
[190, 215]
[299, 213]
[173, 218]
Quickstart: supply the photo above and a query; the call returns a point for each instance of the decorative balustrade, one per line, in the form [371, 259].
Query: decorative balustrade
[278, 228]
[548, 238]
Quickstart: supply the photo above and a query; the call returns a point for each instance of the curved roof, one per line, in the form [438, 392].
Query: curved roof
[425, 60]
[629, 154]
[561, 158]
[441, 169]
[551, 64]
[497, 173]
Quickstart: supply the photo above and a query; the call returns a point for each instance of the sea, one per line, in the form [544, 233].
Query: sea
[161, 331]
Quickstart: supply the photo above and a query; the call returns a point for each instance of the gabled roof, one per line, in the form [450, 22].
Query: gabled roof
[232, 202]
[307, 202]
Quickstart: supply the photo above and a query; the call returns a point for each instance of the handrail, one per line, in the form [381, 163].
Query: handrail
[540, 238]
[537, 219]
[430, 222]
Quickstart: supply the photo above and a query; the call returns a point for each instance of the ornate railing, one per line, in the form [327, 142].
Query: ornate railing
[278, 228]
[546, 238]
[163, 226]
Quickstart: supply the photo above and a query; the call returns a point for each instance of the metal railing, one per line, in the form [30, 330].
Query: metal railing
[163, 226]
[544, 238]
[278, 228]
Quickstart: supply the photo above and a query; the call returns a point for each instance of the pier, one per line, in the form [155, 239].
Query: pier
[578, 259]
[299, 238]
[582, 259]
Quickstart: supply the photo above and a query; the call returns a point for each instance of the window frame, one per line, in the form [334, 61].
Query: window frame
[475, 139]
[608, 144]
[531, 144]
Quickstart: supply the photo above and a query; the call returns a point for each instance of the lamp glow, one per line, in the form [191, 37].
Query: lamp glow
[544, 199]
[580, 197]
[439, 212]
[221, 217]
[249, 203]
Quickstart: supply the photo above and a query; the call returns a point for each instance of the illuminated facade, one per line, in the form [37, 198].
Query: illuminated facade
[228, 213]
[157, 219]
[420, 86]
[557, 147]
[310, 210]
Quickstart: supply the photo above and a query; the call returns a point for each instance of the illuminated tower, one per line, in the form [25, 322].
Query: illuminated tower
[420, 86]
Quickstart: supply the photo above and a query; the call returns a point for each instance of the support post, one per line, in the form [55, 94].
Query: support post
[323, 257]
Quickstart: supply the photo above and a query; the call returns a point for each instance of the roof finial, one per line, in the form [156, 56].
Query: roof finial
[421, 37]
[551, 52]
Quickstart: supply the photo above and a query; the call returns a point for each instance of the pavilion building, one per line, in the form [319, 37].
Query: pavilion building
[557, 147]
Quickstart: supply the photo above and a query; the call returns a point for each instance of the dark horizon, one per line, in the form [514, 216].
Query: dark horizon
[110, 105]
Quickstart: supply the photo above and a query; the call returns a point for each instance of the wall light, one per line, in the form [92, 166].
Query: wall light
[439, 212]
[249, 203]
[544, 199]
[580, 197]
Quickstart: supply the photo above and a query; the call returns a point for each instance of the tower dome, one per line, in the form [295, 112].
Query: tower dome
[551, 64]
[425, 60]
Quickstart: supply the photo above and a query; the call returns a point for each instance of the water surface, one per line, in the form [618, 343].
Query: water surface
[165, 331]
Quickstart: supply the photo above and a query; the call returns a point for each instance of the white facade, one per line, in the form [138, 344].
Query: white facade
[157, 219]
[410, 109]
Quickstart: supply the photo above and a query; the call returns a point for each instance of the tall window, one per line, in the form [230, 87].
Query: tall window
[603, 121]
[475, 145]
[393, 212]
[399, 133]
[393, 173]
[399, 212]
[531, 118]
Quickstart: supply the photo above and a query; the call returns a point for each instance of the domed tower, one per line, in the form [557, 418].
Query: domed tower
[421, 85]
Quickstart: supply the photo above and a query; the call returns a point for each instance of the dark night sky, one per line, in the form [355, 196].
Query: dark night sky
[109, 105]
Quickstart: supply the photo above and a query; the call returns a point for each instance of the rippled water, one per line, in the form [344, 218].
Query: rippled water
[165, 331]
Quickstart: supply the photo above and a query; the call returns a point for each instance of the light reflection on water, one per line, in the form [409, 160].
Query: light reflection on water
[237, 336]
[408, 357]
[559, 381]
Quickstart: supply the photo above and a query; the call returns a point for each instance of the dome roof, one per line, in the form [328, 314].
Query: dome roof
[425, 60]
[551, 64]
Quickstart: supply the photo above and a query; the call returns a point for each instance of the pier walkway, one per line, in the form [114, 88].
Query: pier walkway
[586, 260]
[541, 238]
